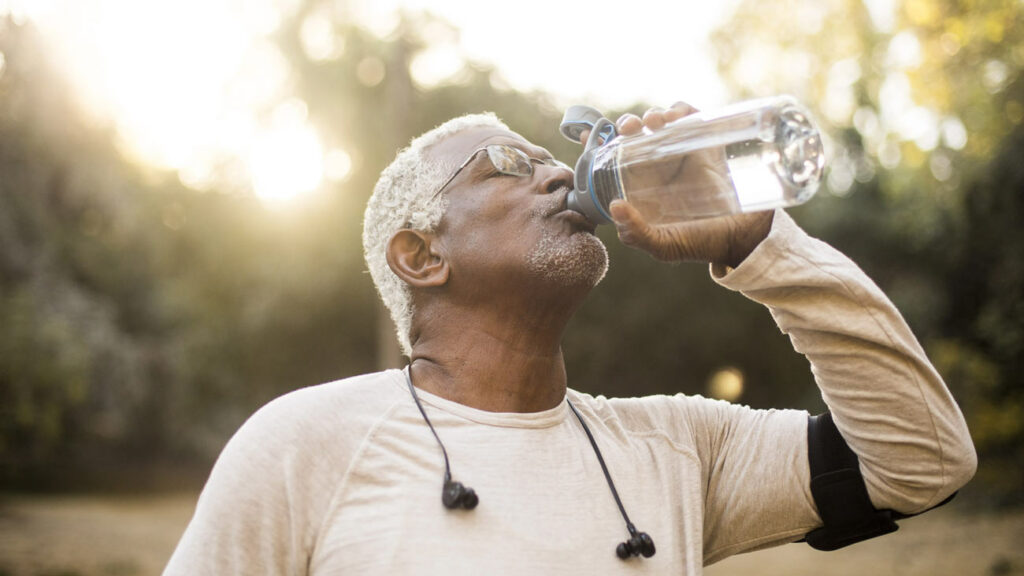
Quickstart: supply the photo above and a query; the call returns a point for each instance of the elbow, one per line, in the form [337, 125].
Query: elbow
[961, 469]
[959, 463]
[958, 466]
[913, 492]
[957, 471]
[955, 464]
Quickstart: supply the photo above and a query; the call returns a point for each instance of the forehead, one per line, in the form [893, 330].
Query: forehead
[454, 149]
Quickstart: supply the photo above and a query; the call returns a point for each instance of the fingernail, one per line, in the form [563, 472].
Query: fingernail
[617, 209]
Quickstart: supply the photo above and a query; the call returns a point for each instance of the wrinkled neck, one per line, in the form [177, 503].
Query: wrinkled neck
[495, 358]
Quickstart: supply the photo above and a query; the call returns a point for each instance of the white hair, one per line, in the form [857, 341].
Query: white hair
[403, 198]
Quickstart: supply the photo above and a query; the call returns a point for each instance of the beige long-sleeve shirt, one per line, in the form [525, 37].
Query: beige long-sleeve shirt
[345, 478]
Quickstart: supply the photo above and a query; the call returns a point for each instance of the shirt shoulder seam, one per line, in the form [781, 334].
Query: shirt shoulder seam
[367, 440]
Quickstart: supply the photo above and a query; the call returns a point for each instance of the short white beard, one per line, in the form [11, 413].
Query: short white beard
[579, 260]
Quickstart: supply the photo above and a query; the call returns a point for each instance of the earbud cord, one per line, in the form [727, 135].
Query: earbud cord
[604, 468]
[447, 468]
[593, 444]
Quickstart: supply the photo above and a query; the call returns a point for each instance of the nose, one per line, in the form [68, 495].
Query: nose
[555, 177]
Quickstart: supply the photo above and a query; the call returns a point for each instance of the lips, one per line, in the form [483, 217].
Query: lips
[577, 220]
[562, 212]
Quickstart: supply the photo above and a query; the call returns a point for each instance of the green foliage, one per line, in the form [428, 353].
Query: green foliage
[139, 320]
[67, 358]
[925, 114]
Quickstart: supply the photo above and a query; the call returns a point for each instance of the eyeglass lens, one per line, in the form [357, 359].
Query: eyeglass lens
[509, 160]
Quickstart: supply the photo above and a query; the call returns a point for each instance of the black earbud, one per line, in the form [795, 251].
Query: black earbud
[638, 544]
[455, 495]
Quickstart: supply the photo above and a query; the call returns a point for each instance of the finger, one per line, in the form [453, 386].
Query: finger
[632, 229]
[584, 136]
[679, 110]
[654, 119]
[666, 243]
[628, 124]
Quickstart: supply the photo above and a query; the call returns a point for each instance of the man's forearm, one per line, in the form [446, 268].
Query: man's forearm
[887, 400]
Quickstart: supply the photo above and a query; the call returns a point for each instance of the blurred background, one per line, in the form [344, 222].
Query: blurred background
[181, 196]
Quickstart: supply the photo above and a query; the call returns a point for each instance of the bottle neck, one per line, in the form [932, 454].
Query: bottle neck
[606, 178]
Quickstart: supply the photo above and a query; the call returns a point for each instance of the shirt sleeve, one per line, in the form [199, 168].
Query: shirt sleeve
[751, 470]
[887, 400]
[258, 512]
[755, 473]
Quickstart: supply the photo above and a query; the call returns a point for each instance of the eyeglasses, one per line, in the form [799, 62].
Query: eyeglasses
[506, 160]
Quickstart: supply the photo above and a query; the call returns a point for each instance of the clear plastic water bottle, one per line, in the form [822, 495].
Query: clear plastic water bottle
[755, 155]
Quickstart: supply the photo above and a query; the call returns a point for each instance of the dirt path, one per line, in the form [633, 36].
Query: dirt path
[134, 536]
[90, 535]
[940, 543]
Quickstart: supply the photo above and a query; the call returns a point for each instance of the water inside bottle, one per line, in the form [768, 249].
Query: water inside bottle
[716, 170]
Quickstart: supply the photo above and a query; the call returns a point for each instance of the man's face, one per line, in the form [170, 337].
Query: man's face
[503, 227]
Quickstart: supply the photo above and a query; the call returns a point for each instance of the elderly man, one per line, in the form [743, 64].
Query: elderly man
[470, 244]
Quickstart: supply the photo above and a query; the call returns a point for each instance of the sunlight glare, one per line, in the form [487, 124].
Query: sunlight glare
[320, 41]
[287, 158]
[165, 90]
[441, 59]
[882, 13]
[435, 65]
[655, 51]
[954, 133]
[182, 82]
[904, 51]
[337, 165]
[840, 101]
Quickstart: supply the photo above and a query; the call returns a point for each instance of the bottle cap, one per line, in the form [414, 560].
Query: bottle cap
[577, 119]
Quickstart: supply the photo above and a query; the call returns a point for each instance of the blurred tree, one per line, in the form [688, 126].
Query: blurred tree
[140, 320]
[74, 280]
[982, 348]
[924, 101]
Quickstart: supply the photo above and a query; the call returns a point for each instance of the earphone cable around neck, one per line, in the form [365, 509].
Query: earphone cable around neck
[604, 468]
[455, 495]
[639, 543]
[412, 390]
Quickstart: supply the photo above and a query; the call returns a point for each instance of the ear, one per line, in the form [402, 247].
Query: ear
[413, 256]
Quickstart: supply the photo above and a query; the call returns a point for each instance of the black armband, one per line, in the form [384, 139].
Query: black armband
[839, 491]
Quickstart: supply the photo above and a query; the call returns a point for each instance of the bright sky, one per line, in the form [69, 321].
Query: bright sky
[185, 92]
[615, 54]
